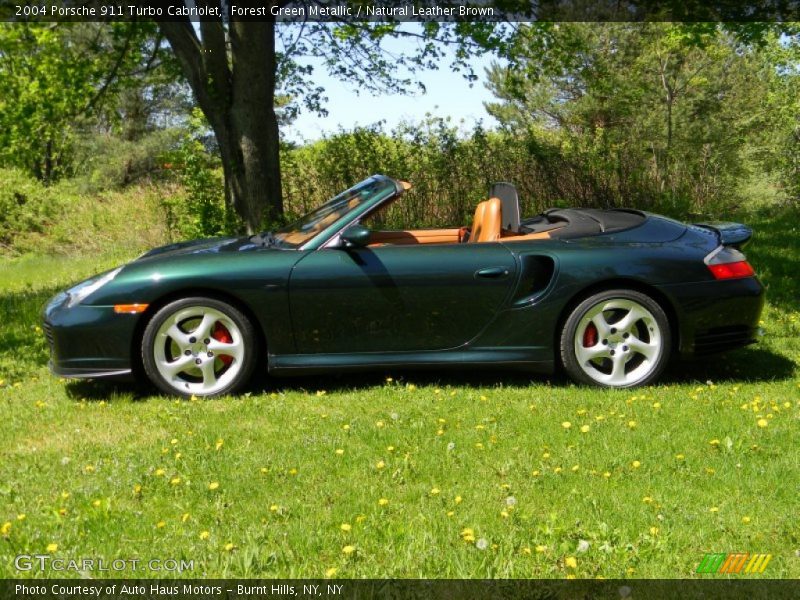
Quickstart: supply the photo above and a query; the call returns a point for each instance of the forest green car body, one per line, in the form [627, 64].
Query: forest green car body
[323, 305]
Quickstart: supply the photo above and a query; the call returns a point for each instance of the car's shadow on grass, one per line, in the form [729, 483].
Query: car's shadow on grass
[743, 366]
[748, 365]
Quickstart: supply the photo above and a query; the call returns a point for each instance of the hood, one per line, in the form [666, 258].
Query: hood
[202, 246]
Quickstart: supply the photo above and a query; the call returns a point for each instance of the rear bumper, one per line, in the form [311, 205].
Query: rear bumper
[88, 341]
[716, 316]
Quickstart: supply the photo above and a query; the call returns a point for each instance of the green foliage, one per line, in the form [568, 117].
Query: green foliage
[26, 206]
[59, 81]
[673, 117]
[199, 211]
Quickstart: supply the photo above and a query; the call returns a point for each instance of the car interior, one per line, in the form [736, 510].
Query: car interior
[498, 218]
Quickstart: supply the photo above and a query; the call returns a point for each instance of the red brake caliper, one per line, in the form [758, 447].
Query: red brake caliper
[221, 334]
[590, 336]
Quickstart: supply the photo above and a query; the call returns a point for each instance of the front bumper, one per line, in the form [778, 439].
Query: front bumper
[88, 341]
[716, 316]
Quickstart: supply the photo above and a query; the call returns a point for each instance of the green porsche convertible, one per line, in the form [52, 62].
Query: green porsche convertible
[610, 296]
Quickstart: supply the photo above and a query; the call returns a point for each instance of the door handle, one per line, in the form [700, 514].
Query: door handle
[492, 273]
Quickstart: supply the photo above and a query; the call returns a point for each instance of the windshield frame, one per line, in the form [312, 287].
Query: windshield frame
[388, 192]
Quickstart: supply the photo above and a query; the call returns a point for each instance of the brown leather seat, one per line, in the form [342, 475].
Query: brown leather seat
[488, 221]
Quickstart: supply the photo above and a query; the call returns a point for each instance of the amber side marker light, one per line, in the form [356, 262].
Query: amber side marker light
[129, 309]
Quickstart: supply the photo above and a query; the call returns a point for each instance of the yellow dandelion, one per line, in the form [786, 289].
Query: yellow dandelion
[204, 535]
[361, 518]
[213, 485]
[546, 455]
[264, 470]
[713, 509]
[714, 442]
[331, 572]
[96, 503]
[607, 474]
[557, 470]
[390, 448]
[435, 491]
[411, 387]
[229, 547]
[636, 464]
[585, 429]
[65, 495]
[5, 530]
[88, 469]
[566, 424]
[541, 548]
[184, 517]
[379, 424]
[536, 473]
[21, 517]
[345, 527]
[380, 465]
[219, 444]
[504, 514]
[632, 424]
[440, 432]
[457, 499]
[450, 513]
[348, 550]
[159, 472]
[654, 531]
[571, 562]
[526, 550]
[575, 468]
[321, 393]
[339, 451]
[274, 508]
[647, 499]
[656, 405]
[762, 423]
[346, 427]
[746, 520]
[292, 471]
[160, 524]
[679, 457]
[383, 502]
[173, 441]
[52, 547]
[62, 512]
[175, 481]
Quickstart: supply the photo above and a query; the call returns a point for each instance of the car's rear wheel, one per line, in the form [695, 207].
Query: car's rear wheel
[199, 346]
[616, 338]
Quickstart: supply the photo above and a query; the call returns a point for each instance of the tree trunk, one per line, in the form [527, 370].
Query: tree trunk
[235, 87]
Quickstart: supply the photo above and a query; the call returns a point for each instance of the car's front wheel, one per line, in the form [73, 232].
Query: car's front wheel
[199, 346]
[616, 338]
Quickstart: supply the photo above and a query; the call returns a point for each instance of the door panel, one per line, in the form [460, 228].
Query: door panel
[405, 298]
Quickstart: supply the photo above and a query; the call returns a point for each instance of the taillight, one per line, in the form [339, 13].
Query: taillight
[728, 263]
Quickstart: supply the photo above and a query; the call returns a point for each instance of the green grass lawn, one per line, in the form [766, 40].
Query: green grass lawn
[407, 474]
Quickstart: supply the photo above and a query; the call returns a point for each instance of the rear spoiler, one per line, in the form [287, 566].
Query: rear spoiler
[730, 234]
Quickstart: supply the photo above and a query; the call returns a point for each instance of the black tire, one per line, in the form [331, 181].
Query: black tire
[643, 352]
[229, 370]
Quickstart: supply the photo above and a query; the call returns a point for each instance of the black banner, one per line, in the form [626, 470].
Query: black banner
[297, 11]
[347, 589]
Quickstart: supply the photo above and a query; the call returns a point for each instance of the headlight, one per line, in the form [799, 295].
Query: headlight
[82, 290]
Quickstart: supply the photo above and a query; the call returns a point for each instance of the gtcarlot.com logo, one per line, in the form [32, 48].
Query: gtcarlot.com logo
[734, 562]
[45, 562]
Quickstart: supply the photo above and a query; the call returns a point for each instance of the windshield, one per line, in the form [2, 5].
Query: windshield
[315, 222]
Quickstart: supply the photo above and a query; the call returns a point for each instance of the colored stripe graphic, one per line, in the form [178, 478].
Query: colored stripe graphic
[734, 562]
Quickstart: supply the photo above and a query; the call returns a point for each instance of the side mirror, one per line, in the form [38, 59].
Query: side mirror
[355, 236]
